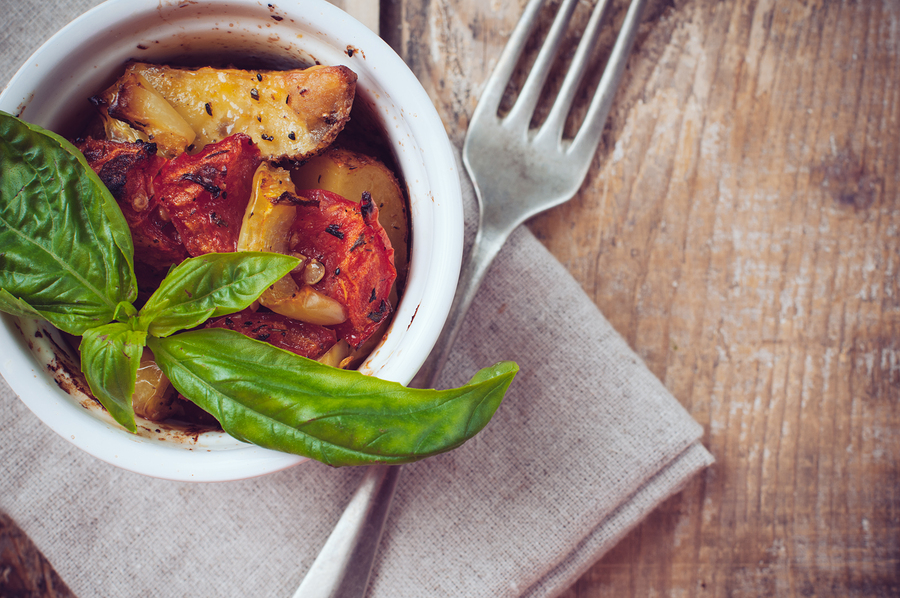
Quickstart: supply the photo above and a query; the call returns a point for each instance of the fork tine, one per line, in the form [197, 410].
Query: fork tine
[556, 120]
[496, 85]
[520, 115]
[588, 136]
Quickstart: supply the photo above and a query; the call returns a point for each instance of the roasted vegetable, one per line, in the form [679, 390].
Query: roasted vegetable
[291, 115]
[128, 170]
[267, 220]
[267, 223]
[205, 194]
[346, 237]
[329, 231]
[307, 340]
[134, 102]
[350, 174]
[154, 398]
[337, 356]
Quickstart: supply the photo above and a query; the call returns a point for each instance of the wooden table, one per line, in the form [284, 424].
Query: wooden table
[740, 227]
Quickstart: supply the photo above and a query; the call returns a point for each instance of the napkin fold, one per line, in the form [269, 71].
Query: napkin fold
[587, 442]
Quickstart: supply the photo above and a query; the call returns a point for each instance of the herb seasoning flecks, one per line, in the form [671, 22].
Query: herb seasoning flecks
[334, 230]
[376, 315]
[366, 205]
[360, 240]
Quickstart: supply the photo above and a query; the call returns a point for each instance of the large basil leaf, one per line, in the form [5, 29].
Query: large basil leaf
[285, 402]
[215, 284]
[65, 248]
[110, 356]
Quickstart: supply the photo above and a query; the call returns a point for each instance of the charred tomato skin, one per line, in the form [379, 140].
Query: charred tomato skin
[205, 193]
[307, 340]
[129, 171]
[345, 236]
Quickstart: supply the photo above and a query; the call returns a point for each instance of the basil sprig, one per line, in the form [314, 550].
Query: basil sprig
[195, 290]
[66, 256]
[279, 400]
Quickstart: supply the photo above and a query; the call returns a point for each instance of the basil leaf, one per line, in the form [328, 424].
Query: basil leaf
[65, 248]
[282, 401]
[124, 311]
[17, 307]
[214, 284]
[110, 356]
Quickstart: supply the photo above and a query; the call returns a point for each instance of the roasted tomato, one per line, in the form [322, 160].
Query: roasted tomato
[205, 194]
[308, 340]
[128, 170]
[359, 262]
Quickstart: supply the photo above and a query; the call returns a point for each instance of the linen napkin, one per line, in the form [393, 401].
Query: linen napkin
[586, 443]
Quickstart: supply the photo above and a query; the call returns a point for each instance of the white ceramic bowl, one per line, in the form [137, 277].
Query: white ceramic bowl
[51, 89]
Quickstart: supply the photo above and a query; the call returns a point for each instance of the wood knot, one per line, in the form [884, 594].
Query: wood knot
[846, 179]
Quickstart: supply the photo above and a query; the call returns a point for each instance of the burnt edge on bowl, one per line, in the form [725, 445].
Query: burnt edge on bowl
[54, 352]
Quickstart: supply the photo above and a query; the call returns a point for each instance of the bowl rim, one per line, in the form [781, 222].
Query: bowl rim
[393, 360]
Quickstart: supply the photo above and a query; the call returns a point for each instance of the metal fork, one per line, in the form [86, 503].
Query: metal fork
[518, 172]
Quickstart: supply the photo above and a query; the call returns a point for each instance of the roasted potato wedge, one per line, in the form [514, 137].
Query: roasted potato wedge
[292, 115]
[132, 109]
[338, 356]
[267, 222]
[121, 131]
[154, 396]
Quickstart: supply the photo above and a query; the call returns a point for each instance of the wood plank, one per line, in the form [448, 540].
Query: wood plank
[367, 12]
[24, 572]
[740, 229]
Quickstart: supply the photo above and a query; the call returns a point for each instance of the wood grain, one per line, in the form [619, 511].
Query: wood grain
[24, 572]
[740, 228]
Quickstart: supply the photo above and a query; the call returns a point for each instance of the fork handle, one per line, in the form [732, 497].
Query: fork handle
[485, 248]
[343, 566]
